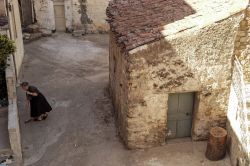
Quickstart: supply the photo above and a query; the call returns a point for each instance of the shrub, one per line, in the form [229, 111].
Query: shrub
[6, 47]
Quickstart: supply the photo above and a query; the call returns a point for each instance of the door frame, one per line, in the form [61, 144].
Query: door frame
[195, 110]
[59, 3]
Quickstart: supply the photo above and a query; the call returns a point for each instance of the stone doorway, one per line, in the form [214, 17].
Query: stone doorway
[180, 115]
[60, 21]
[27, 15]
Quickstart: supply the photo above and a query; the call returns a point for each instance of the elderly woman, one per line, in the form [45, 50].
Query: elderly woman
[39, 106]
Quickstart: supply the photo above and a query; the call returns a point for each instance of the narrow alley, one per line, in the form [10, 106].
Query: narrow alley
[80, 131]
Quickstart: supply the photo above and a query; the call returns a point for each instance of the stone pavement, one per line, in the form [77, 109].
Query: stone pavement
[73, 75]
[4, 136]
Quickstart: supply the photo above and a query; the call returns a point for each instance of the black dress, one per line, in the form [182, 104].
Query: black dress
[38, 104]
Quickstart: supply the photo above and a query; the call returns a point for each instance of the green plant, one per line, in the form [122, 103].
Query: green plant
[7, 47]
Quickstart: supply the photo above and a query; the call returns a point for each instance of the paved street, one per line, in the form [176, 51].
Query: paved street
[73, 74]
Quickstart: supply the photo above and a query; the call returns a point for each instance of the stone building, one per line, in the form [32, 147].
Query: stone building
[239, 100]
[171, 67]
[79, 16]
[10, 25]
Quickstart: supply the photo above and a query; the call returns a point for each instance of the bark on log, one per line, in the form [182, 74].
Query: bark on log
[216, 147]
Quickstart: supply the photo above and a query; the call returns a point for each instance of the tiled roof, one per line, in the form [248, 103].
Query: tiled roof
[138, 22]
[3, 20]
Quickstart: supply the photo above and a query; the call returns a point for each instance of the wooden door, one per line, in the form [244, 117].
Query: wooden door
[26, 12]
[180, 113]
[60, 17]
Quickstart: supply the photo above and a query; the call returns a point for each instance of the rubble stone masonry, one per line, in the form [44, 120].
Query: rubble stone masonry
[239, 101]
[192, 52]
[242, 46]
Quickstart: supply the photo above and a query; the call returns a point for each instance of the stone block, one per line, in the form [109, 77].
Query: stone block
[14, 131]
[45, 32]
[237, 44]
[78, 33]
[13, 117]
[244, 39]
[34, 28]
[241, 33]
[243, 23]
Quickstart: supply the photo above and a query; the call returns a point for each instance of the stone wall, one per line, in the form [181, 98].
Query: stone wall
[69, 15]
[15, 31]
[89, 15]
[44, 14]
[16, 36]
[188, 61]
[237, 152]
[242, 46]
[83, 16]
[118, 85]
[238, 119]
[13, 117]
[238, 134]
[238, 114]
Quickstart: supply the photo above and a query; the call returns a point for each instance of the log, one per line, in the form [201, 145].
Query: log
[216, 147]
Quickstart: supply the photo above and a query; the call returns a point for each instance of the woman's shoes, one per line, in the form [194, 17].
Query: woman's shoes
[27, 121]
[40, 118]
[44, 116]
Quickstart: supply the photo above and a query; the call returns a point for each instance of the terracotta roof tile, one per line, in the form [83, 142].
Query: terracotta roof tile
[137, 22]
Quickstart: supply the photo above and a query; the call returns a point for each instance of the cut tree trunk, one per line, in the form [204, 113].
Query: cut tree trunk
[216, 147]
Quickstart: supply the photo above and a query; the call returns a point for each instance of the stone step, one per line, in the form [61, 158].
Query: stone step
[28, 37]
[33, 28]
[46, 33]
[78, 33]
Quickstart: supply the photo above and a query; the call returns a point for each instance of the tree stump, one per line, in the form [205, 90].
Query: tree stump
[216, 147]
